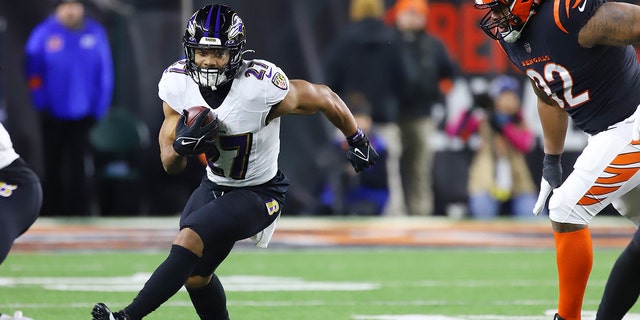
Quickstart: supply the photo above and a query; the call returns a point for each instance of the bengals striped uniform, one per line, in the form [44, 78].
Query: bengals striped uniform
[599, 94]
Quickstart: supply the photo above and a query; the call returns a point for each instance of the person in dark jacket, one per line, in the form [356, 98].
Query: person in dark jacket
[368, 57]
[70, 77]
[436, 71]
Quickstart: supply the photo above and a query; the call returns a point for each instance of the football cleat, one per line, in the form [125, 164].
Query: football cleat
[101, 312]
[557, 317]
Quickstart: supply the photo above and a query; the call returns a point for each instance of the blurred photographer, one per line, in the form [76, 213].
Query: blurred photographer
[498, 174]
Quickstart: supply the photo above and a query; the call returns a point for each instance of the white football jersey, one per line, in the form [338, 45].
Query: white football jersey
[249, 148]
[7, 153]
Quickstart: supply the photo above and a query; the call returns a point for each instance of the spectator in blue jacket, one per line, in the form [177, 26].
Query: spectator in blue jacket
[70, 76]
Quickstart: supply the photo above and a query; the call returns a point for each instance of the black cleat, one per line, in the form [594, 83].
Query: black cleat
[101, 312]
[557, 317]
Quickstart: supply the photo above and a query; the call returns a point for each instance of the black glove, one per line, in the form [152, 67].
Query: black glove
[551, 179]
[212, 154]
[552, 170]
[361, 154]
[195, 139]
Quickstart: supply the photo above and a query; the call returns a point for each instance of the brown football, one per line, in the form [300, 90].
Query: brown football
[193, 112]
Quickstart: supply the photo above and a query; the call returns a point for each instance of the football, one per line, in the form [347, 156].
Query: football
[194, 112]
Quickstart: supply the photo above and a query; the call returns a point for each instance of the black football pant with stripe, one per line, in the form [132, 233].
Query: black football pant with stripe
[220, 216]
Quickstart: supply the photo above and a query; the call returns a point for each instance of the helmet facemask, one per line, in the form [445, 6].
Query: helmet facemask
[514, 17]
[214, 27]
[212, 77]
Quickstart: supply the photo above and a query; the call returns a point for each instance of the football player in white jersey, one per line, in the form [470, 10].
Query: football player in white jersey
[20, 197]
[242, 194]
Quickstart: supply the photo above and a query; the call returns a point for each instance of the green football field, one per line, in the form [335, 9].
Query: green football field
[362, 283]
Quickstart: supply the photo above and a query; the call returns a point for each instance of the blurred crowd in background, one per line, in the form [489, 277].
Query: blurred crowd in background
[435, 94]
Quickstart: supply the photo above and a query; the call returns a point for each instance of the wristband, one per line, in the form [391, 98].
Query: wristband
[551, 158]
[356, 136]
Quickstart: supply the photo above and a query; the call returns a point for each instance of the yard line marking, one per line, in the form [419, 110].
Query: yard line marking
[296, 304]
[232, 283]
[253, 283]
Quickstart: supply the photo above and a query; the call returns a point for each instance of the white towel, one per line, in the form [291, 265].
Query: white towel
[262, 238]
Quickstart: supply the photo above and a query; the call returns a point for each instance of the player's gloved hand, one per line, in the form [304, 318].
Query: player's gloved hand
[498, 120]
[195, 139]
[635, 136]
[361, 154]
[551, 179]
